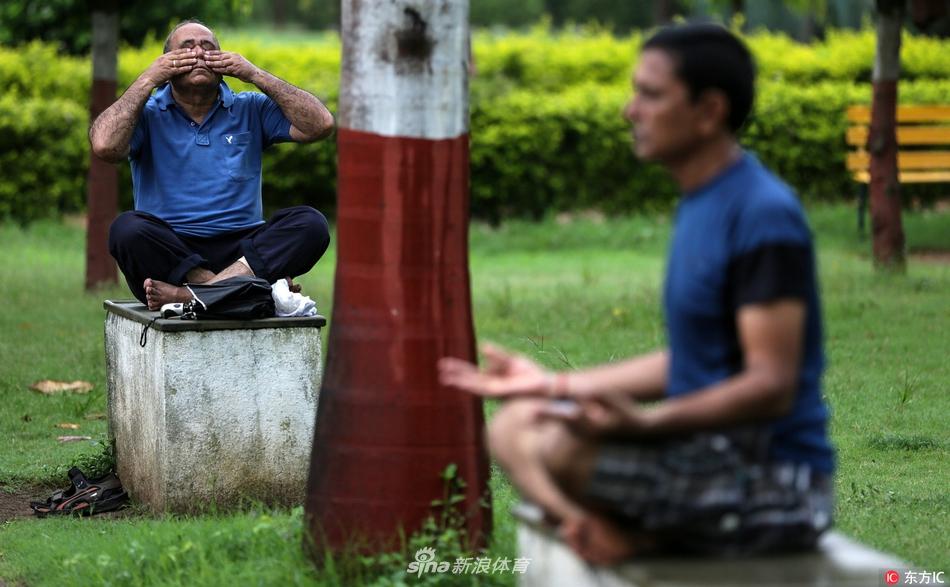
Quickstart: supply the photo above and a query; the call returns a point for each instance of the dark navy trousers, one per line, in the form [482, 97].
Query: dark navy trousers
[287, 245]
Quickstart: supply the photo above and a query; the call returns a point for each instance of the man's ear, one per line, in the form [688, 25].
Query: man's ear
[714, 107]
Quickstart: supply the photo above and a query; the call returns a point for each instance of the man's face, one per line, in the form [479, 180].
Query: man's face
[666, 121]
[200, 39]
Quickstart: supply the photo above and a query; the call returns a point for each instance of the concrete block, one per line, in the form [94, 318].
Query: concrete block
[211, 411]
[838, 562]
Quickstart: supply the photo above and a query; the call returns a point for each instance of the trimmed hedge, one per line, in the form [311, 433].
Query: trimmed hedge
[532, 153]
[37, 70]
[537, 145]
[537, 59]
[552, 60]
[43, 156]
[799, 132]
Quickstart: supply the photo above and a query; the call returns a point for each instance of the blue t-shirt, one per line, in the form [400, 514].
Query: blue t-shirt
[743, 239]
[204, 179]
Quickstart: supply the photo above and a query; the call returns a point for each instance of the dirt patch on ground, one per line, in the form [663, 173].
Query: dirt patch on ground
[17, 504]
[931, 256]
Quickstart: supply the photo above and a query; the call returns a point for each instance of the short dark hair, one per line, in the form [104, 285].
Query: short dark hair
[709, 56]
[168, 39]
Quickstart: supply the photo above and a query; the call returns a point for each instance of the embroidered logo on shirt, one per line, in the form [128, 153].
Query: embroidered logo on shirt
[229, 138]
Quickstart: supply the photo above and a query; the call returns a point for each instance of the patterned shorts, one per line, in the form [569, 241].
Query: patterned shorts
[712, 494]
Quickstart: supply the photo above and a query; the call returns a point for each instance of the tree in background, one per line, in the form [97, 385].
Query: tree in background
[886, 227]
[66, 22]
[102, 185]
[886, 224]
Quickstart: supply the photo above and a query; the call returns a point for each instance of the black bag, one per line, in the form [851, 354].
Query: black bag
[236, 298]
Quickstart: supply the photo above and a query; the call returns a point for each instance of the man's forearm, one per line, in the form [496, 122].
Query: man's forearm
[643, 378]
[750, 396]
[304, 111]
[111, 133]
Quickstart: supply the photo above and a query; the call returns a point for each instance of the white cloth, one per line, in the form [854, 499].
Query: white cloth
[288, 303]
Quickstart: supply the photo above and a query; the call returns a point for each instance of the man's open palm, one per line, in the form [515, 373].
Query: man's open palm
[505, 375]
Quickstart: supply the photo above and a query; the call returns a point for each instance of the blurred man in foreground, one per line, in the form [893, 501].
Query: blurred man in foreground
[732, 455]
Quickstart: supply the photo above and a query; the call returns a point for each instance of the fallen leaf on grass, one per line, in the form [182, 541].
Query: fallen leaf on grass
[49, 387]
[95, 416]
[68, 426]
[73, 438]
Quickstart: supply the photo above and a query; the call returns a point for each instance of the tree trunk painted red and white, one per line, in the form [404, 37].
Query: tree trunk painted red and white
[386, 429]
[887, 232]
[102, 189]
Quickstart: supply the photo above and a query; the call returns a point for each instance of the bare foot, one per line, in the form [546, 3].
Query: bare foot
[158, 293]
[294, 287]
[599, 541]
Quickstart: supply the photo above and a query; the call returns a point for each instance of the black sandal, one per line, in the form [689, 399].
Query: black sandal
[84, 497]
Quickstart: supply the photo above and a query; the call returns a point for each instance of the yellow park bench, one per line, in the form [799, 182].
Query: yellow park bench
[923, 142]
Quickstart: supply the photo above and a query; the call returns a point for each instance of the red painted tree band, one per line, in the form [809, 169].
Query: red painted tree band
[385, 428]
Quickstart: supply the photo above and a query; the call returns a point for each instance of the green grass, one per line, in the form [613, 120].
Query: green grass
[568, 293]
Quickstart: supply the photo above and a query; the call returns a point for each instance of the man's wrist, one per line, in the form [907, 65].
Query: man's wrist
[256, 78]
[559, 385]
[656, 419]
[146, 83]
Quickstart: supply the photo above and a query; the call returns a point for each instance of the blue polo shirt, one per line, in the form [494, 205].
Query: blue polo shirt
[204, 179]
[743, 239]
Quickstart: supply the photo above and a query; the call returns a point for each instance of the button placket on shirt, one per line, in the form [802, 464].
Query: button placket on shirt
[202, 138]
[201, 135]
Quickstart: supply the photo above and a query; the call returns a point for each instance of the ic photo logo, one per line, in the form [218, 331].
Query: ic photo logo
[914, 577]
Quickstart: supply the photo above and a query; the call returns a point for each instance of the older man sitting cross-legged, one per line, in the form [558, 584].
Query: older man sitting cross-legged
[195, 148]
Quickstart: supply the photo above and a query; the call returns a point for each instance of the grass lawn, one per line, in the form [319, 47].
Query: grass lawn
[570, 294]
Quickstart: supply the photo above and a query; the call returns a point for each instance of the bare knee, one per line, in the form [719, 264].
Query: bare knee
[508, 429]
[567, 457]
[516, 435]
